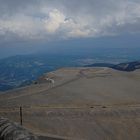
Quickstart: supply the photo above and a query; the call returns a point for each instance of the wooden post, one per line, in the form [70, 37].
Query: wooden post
[21, 116]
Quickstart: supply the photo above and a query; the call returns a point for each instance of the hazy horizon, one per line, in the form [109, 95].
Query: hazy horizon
[75, 46]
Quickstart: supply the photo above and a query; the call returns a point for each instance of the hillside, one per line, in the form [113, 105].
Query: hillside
[21, 70]
[130, 66]
[79, 104]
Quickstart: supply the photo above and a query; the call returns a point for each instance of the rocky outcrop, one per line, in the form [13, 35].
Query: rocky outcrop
[13, 131]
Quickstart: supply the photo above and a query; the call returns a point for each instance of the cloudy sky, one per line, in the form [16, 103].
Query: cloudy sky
[51, 20]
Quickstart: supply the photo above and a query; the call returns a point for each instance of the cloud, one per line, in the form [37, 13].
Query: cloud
[54, 21]
[45, 19]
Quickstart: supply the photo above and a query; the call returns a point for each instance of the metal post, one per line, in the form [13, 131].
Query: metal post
[21, 115]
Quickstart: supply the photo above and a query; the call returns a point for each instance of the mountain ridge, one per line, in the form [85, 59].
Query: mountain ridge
[128, 66]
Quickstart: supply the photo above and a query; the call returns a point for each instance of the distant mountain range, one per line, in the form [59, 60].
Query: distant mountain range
[129, 66]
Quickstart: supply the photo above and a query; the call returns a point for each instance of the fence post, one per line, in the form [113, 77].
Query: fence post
[21, 123]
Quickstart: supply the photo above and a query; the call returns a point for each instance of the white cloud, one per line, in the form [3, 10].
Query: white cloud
[69, 19]
[54, 21]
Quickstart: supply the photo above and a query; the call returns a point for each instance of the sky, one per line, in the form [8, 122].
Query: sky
[28, 25]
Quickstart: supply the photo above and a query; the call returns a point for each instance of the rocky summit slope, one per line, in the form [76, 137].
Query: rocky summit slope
[79, 104]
